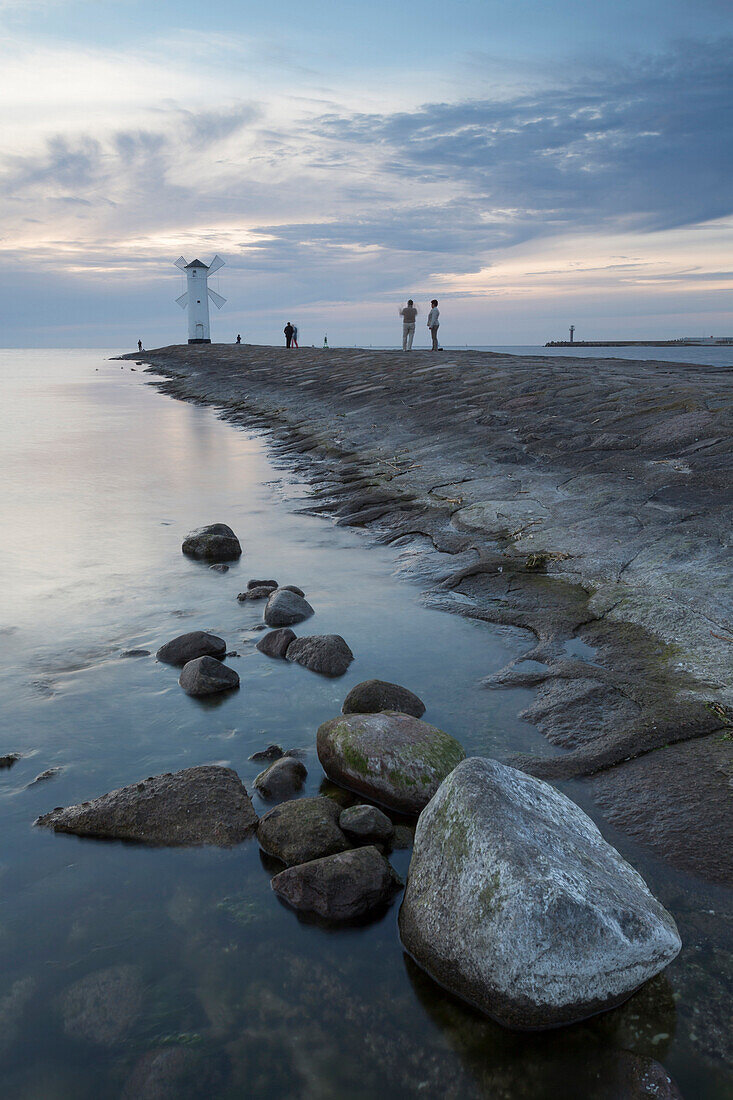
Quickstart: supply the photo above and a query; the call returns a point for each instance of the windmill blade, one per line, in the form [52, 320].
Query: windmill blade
[216, 263]
[183, 300]
[180, 262]
[216, 298]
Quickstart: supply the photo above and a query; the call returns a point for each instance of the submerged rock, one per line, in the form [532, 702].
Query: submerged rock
[391, 758]
[371, 696]
[324, 653]
[49, 773]
[103, 1007]
[517, 904]
[135, 653]
[176, 1073]
[207, 676]
[217, 542]
[275, 643]
[219, 567]
[282, 778]
[366, 823]
[339, 887]
[285, 608]
[204, 805]
[9, 759]
[187, 647]
[305, 829]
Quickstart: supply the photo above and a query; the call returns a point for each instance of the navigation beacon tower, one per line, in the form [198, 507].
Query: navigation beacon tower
[196, 297]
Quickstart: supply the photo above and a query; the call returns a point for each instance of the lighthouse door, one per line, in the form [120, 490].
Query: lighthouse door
[199, 332]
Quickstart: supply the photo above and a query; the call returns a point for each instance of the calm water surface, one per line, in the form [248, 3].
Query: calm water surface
[188, 951]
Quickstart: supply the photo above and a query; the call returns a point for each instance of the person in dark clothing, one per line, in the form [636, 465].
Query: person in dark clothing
[288, 330]
[295, 336]
[139, 345]
[239, 339]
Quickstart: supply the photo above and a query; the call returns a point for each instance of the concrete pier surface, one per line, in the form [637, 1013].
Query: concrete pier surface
[586, 500]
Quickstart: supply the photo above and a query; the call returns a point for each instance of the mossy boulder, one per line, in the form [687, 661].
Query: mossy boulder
[390, 758]
[517, 904]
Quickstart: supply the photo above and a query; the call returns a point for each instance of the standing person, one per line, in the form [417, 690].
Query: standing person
[239, 338]
[295, 336]
[288, 330]
[139, 345]
[434, 323]
[408, 314]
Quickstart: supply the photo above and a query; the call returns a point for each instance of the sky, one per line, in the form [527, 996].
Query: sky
[532, 164]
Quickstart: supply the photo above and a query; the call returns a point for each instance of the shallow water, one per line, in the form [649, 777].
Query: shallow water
[102, 477]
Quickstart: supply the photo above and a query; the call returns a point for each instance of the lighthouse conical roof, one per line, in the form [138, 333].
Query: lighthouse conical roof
[197, 263]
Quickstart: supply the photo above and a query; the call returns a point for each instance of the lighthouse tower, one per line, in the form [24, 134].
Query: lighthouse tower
[196, 298]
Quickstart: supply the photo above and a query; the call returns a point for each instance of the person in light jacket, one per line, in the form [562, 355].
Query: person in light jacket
[408, 314]
[434, 323]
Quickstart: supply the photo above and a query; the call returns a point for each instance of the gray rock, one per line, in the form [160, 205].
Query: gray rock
[204, 805]
[261, 593]
[325, 653]
[292, 588]
[219, 567]
[217, 542]
[103, 1007]
[135, 653]
[285, 608]
[207, 676]
[282, 779]
[49, 773]
[186, 647]
[9, 759]
[339, 887]
[390, 758]
[371, 696]
[272, 752]
[261, 584]
[176, 1073]
[517, 904]
[295, 832]
[366, 823]
[275, 643]
[634, 1077]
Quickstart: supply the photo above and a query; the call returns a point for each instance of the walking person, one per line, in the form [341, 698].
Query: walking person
[239, 338]
[434, 323]
[408, 314]
[288, 330]
[139, 345]
[295, 336]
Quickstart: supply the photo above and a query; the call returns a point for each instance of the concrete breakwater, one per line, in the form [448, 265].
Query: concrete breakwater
[588, 501]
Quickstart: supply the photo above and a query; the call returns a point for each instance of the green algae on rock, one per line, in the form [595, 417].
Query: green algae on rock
[390, 757]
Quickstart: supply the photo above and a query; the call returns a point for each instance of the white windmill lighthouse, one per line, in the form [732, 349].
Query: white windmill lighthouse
[197, 297]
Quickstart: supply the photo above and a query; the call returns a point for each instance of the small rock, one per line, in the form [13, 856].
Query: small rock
[232, 653]
[176, 1073]
[366, 822]
[276, 642]
[394, 759]
[517, 904]
[404, 836]
[262, 584]
[204, 805]
[48, 774]
[104, 1006]
[219, 567]
[255, 594]
[272, 752]
[372, 696]
[186, 647]
[325, 653]
[207, 676]
[9, 759]
[293, 588]
[281, 779]
[339, 887]
[285, 608]
[135, 653]
[301, 830]
[636, 1078]
[217, 542]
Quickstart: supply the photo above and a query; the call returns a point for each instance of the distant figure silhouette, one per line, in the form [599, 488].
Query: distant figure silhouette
[434, 323]
[408, 314]
[239, 339]
[139, 345]
[288, 330]
[295, 336]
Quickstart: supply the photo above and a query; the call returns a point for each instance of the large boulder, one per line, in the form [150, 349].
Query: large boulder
[275, 643]
[187, 647]
[307, 828]
[285, 608]
[371, 696]
[391, 758]
[217, 542]
[339, 887]
[517, 904]
[204, 805]
[324, 653]
[207, 676]
[282, 779]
